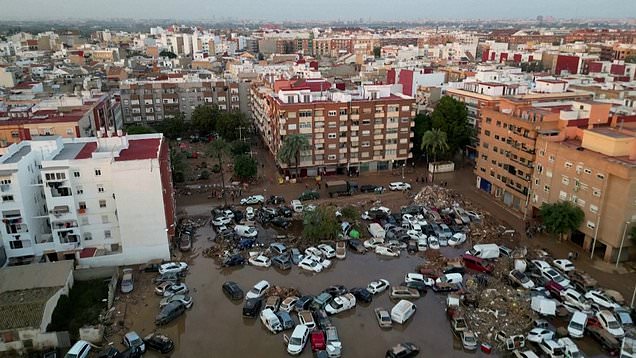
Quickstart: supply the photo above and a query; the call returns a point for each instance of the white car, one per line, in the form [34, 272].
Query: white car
[373, 242]
[298, 339]
[450, 278]
[245, 231]
[386, 251]
[309, 264]
[185, 299]
[221, 220]
[575, 300]
[260, 261]
[271, 321]
[228, 214]
[576, 327]
[258, 290]
[473, 215]
[173, 267]
[540, 265]
[309, 207]
[254, 199]
[600, 300]
[327, 250]
[418, 277]
[524, 354]
[409, 219]
[313, 251]
[176, 289]
[457, 239]
[536, 335]
[341, 303]
[398, 185]
[422, 245]
[610, 324]
[571, 349]
[322, 261]
[416, 235]
[250, 213]
[563, 265]
[378, 286]
[433, 243]
[551, 275]
[288, 304]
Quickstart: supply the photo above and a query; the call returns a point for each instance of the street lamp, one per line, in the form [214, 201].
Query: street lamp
[620, 249]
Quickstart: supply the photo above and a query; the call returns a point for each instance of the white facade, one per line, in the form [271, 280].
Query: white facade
[101, 210]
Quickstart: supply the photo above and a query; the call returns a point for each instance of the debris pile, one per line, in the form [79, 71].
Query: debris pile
[282, 292]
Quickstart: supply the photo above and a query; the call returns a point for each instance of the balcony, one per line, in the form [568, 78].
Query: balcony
[64, 224]
[60, 192]
[15, 227]
[5, 188]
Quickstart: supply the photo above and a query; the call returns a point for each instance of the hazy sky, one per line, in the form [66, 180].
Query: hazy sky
[314, 9]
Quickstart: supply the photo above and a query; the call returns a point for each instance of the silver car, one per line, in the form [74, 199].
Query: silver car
[127, 281]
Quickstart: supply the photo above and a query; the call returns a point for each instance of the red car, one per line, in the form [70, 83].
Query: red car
[477, 264]
[318, 341]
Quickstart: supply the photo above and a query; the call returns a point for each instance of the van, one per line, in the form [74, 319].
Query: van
[271, 321]
[80, 349]
[485, 251]
[571, 350]
[576, 327]
[296, 343]
[552, 348]
[297, 206]
[477, 264]
[377, 231]
[402, 311]
[169, 312]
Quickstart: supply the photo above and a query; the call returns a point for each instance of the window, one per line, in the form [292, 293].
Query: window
[291, 127]
[331, 157]
[548, 173]
[331, 113]
[82, 205]
[304, 113]
[76, 174]
[80, 190]
[98, 172]
[551, 158]
[565, 180]
[487, 133]
[366, 132]
[107, 234]
[331, 135]
[580, 202]
[546, 188]
[568, 165]
[591, 225]
[100, 188]
[343, 111]
[587, 171]
[319, 124]
[104, 219]
[88, 236]
[7, 198]
[596, 191]
[600, 176]
[498, 124]
[593, 209]
[305, 125]
[102, 203]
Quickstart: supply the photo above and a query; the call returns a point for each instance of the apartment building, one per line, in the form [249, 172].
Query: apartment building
[364, 130]
[593, 167]
[75, 199]
[150, 101]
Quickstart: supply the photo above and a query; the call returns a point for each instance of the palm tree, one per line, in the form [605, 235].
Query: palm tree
[290, 149]
[434, 142]
[219, 148]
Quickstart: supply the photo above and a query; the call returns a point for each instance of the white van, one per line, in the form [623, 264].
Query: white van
[485, 251]
[576, 327]
[552, 348]
[297, 206]
[377, 231]
[298, 340]
[80, 349]
[271, 321]
[402, 311]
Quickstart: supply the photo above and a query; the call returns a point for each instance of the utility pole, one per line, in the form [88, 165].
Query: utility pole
[241, 132]
[620, 249]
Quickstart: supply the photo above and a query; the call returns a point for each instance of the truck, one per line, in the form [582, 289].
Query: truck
[485, 251]
[340, 187]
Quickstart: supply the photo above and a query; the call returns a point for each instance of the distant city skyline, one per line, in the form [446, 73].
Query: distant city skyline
[326, 10]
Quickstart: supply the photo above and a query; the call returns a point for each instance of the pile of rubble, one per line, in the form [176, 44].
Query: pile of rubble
[282, 292]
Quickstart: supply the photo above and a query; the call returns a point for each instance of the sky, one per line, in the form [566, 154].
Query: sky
[328, 10]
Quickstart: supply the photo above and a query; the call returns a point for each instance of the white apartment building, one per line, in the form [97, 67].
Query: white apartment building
[101, 201]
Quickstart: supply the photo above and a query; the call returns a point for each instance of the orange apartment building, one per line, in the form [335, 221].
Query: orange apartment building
[368, 130]
[593, 167]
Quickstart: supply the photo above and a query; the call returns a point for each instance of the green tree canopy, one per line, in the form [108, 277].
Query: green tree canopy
[244, 167]
[168, 54]
[320, 224]
[239, 147]
[139, 129]
[561, 218]
[377, 52]
[423, 123]
[435, 142]
[289, 151]
[179, 165]
[232, 125]
[204, 119]
[219, 148]
[174, 127]
[451, 117]
[630, 59]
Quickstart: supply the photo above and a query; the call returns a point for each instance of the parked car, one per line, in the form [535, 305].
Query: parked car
[336, 290]
[403, 350]
[252, 200]
[318, 340]
[417, 277]
[600, 300]
[537, 335]
[610, 324]
[563, 265]
[296, 256]
[246, 231]
[403, 292]
[170, 312]
[334, 346]
[608, 342]
[260, 260]
[454, 278]
[552, 275]
[270, 320]
[276, 200]
[272, 302]
[258, 290]
[576, 327]
[282, 262]
[386, 251]
[457, 239]
[285, 320]
[162, 287]
[341, 249]
[306, 319]
[327, 251]
[127, 281]
[303, 303]
[159, 342]
[185, 299]
[81, 349]
[341, 303]
[252, 306]
[298, 339]
[288, 304]
[398, 185]
[297, 206]
[383, 317]
[362, 294]
[309, 264]
[357, 246]
[378, 286]
[551, 348]
[233, 290]
[175, 267]
[575, 301]
[234, 260]
[221, 220]
[309, 195]
[132, 340]
[433, 243]
[519, 278]
[469, 340]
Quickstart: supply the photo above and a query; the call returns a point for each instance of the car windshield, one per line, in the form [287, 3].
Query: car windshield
[469, 339]
[613, 325]
[295, 341]
[576, 326]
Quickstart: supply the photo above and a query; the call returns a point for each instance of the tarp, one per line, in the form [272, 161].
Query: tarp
[354, 234]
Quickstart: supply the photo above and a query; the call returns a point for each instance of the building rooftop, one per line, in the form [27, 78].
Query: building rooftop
[25, 277]
[86, 150]
[17, 156]
[611, 133]
[24, 308]
[70, 151]
[140, 149]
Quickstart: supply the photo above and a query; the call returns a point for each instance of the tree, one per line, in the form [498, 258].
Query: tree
[139, 129]
[219, 148]
[289, 151]
[204, 119]
[434, 142]
[451, 117]
[174, 127]
[377, 52]
[423, 123]
[168, 54]
[561, 218]
[244, 167]
[630, 59]
[179, 165]
[320, 224]
[350, 213]
[232, 125]
[239, 147]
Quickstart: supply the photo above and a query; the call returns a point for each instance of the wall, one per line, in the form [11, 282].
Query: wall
[39, 341]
